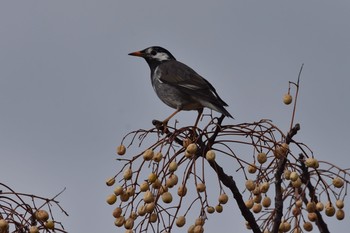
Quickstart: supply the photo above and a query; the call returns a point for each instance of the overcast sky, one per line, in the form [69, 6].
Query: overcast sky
[69, 92]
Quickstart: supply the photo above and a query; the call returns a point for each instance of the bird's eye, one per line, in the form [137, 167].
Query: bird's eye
[153, 52]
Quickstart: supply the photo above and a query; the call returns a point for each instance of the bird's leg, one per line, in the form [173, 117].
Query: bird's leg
[200, 111]
[165, 122]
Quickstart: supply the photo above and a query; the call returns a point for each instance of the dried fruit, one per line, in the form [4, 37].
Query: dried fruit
[312, 216]
[257, 208]
[191, 148]
[4, 225]
[148, 154]
[42, 215]
[210, 209]
[338, 182]
[210, 155]
[297, 183]
[250, 185]
[307, 226]
[287, 174]
[173, 166]
[167, 197]
[223, 198]
[129, 223]
[251, 168]
[121, 150]
[127, 174]
[119, 221]
[152, 177]
[219, 208]
[148, 197]
[117, 212]
[340, 214]
[180, 221]
[110, 181]
[144, 186]
[200, 187]
[111, 199]
[311, 207]
[50, 224]
[158, 157]
[311, 162]
[262, 158]
[294, 176]
[319, 206]
[182, 190]
[249, 203]
[266, 202]
[287, 99]
[339, 204]
[118, 190]
[264, 187]
[33, 229]
[330, 211]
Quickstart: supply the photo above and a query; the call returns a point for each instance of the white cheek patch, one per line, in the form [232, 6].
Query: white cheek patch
[161, 57]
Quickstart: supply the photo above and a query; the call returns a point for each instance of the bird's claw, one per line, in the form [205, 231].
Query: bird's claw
[161, 126]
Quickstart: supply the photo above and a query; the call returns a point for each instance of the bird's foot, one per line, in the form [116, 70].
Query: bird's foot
[161, 126]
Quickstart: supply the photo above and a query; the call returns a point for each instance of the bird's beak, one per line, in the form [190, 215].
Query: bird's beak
[137, 54]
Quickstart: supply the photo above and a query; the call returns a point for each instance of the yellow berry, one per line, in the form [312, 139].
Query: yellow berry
[287, 99]
[311, 207]
[223, 198]
[266, 202]
[117, 212]
[330, 211]
[50, 224]
[210, 155]
[262, 158]
[251, 168]
[250, 185]
[200, 187]
[249, 203]
[167, 197]
[148, 154]
[339, 204]
[152, 177]
[319, 206]
[111, 199]
[42, 215]
[158, 157]
[33, 229]
[257, 208]
[191, 148]
[144, 186]
[312, 216]
[173, 166]
[4, 225]
[121, 150]
[338, 182]
[182, 190]
[340, 214]
[180, 221]
[219, 208]
[119, 221]
[307, 226]
[127, 174]
[129, 223]
[148, 197]
[264, 187]
[210, 209]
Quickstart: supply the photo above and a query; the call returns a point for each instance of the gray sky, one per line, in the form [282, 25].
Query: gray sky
[69, 92]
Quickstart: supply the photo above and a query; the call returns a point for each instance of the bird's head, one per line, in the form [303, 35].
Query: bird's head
[154, 54]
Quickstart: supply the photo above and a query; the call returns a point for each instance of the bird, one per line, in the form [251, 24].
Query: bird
[178, 85]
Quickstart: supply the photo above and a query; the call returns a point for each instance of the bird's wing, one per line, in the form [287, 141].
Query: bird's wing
[187, 80]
